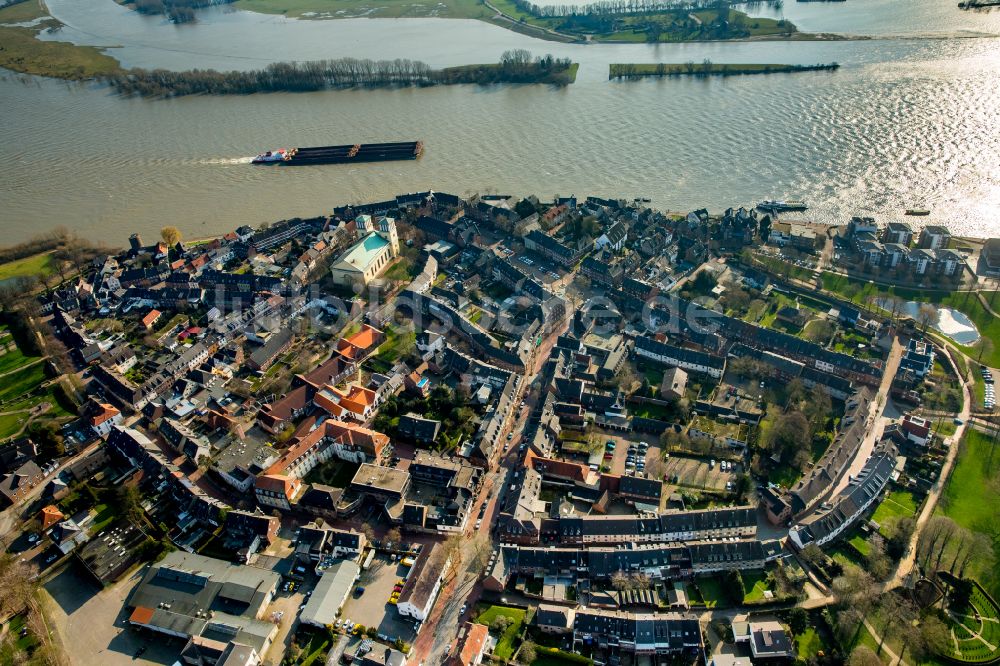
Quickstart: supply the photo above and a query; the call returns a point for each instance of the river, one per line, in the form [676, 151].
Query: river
[904, 122]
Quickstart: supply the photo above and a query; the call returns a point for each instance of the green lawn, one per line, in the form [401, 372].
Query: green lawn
[316, 649]
[104, 516]
[505, 643]
[711, 592]
[556, 657]
[397, 343]
[21, 381]
[38, 264]
[808, 644]
[965, 302]
[944, 427]
[860, 543]
[864, 637]
[15, 359]
[977, 640]
[11, 424]
[844, 556]
[898, 504]
[14, 643]
[972, 498]
[754, 585]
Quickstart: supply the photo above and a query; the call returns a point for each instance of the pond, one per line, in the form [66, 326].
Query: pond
[951, 323]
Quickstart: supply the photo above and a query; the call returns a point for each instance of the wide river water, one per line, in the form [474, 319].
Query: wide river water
[906, 121]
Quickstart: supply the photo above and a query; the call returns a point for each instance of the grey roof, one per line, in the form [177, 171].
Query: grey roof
[330, 593]
[553, 616]
[838, 456]
[665, 525]
[846, 507]
[672, 631]
[184, 585]
[636, 486]
[679, 353]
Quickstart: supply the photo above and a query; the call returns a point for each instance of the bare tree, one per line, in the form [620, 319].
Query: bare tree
[895, 613]
[863, 656]
[369, 533]
[926, 315]
[936, 635]
[878, 562]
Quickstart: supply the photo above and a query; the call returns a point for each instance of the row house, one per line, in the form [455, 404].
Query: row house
[673, 356]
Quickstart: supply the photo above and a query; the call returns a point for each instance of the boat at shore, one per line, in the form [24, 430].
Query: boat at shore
[920, 212]
[358, 152]
[781, 206]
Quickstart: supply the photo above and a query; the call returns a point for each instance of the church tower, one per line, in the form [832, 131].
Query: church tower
[387, 230]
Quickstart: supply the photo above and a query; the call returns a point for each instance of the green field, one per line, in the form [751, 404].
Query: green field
[860, 544]
[327, 9]
[14, 359]
[21, 52]
[38, 264]
[505, 642]
[863, 291]
[972, 497]
[21, 381]
[397, 343]
[667, 26]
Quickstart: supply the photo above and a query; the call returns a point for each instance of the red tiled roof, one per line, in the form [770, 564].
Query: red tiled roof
[107, 413]
[151, 318]
[50, 516]
[473, 643]
[370, 441]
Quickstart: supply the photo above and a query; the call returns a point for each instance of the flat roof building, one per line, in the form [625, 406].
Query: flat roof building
[330, 594]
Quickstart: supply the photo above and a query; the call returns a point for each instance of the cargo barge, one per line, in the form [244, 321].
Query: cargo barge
[781, 206]
[359, 152]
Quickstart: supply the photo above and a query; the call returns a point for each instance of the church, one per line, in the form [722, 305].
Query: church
[377, 246]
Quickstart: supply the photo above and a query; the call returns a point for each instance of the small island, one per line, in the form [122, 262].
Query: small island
[708, 68]
[516, 66]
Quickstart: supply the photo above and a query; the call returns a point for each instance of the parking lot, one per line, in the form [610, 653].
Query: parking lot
[695, 473]
[92, 623]
[538, 268]
[619, 461]
[372, 608]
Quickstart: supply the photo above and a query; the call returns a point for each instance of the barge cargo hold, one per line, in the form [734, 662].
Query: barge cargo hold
[359, 152]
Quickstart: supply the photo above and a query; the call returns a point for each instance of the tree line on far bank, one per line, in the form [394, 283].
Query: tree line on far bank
[515, 66]
[628, 7]
[179, 11]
